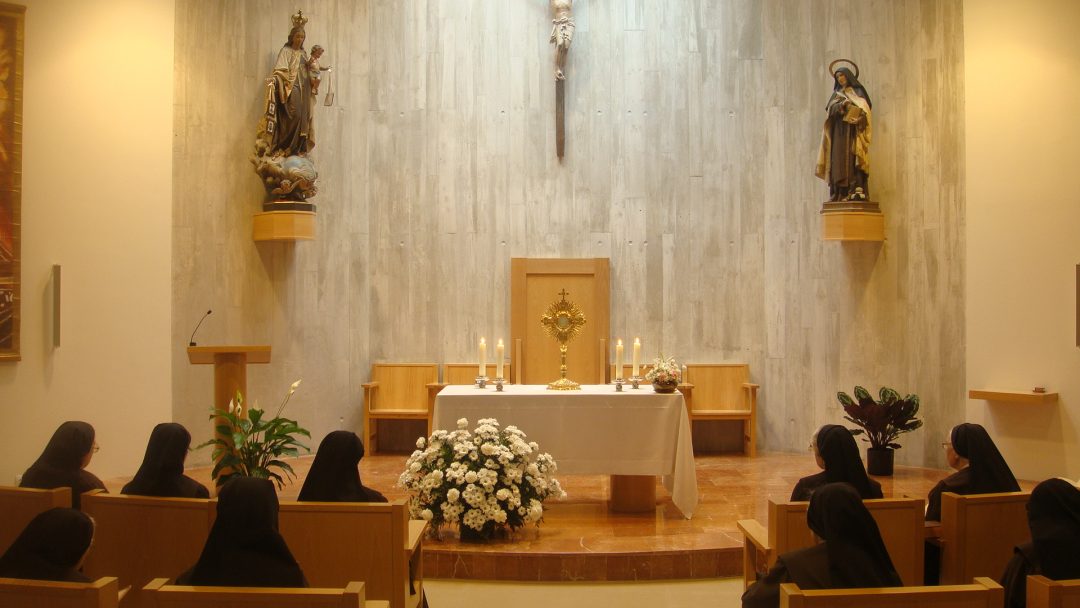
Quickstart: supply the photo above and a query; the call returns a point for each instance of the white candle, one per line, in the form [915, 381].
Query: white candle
[618, 358]
[637, 356]
[483, 357]
[499, 349]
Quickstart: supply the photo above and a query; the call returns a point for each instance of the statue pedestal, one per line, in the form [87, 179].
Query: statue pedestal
[852, 221]
[284, 226]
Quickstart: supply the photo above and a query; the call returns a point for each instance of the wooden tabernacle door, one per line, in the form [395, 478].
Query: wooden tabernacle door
[534, 285]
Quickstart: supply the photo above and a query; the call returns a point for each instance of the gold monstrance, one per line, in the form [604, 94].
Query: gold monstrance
[563, 320]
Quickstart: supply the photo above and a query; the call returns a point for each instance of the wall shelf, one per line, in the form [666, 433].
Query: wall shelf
[1028, 397]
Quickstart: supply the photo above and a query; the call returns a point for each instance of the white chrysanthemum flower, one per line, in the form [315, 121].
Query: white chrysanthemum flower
[462, 423]
[426, 514]
[502, 494]
[471, 477]
[420, 443]
[453, 494]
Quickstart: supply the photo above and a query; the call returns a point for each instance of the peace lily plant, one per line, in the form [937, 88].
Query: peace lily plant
[247, 444]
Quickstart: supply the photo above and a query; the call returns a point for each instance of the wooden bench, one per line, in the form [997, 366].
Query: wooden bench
[140, 538]
[978, 533]
[722, 391]
[20, 593]
[900, 521]
[20, 505]
[164, 595]
[398, 391]
[465, 373]
[1045, 593]
[982, 593]
[376, 543]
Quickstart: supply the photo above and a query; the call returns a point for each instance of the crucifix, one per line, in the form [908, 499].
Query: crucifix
[562, 33]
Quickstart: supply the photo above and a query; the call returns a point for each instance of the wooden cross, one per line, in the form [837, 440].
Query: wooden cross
[562, 32]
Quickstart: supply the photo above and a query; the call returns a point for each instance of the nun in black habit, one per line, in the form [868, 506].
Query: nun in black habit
[162, 469]
[1054, 549]
[62, 463]
[244, 548]
[852, 554]
[980, 468]
[50, 548]
[836, 453]
[334, 476]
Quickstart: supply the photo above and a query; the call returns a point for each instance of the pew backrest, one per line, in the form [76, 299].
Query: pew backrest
[900, 521]
[982, 593]
[164, 595]
[978, 533]
[20, 505]
[139, 538]
[20, 593]
[376, 543]
[1045, 593]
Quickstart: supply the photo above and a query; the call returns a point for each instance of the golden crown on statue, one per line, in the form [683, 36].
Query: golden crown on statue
[299, 20]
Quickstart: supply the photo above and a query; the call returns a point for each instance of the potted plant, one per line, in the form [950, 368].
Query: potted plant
[484, 481]
[665, 374]
[253, 446]
[883, 421]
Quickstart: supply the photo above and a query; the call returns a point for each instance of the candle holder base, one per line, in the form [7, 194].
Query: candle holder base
[618, 385]
[481, 381]
[635, 382]
[499, 384]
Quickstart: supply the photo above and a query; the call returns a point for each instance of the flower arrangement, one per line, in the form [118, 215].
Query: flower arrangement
[665, 372]
[253, 446]
[484, 480]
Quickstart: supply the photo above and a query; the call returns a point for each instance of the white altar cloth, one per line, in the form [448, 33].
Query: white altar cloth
[591, 431]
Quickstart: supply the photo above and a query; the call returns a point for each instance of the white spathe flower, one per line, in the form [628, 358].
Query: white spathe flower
[294, 386]
[426, 514]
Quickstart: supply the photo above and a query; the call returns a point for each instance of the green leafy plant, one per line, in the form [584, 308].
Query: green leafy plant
[253, 445]
[883, 420]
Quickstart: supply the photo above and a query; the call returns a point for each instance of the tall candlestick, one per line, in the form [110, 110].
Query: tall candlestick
[483, 357]
[618, 358]
[499, 349]
[637, 356]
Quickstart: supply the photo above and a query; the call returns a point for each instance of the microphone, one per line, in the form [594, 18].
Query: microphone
[191, 341]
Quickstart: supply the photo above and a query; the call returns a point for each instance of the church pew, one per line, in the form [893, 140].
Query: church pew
[20, 505]
[1045, 593]
[139, 538]
[376, 543]
[164, 595]
[20, 593]
[978, 533]
[982, 593]
[900, 521]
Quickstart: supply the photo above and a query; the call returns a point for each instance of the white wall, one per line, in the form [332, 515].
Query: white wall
[97, 179]
[1023, 91]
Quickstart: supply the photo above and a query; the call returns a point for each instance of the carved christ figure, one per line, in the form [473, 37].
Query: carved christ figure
[562, 33]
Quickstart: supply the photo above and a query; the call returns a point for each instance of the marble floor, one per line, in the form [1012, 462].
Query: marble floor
[580, 539]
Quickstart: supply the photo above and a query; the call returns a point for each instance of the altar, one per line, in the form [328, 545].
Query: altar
[591, 431]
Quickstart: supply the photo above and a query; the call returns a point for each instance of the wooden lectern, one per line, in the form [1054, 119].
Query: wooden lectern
[230, 368]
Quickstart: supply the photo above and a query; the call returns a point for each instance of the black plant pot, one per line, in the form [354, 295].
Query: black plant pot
[879, 461]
